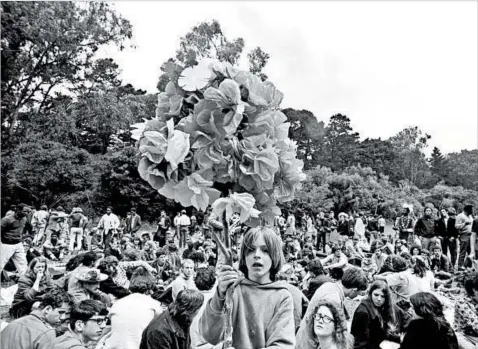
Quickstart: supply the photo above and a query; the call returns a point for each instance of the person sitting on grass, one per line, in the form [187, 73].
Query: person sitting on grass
[31, 287]
[87, 322]
[37, 330]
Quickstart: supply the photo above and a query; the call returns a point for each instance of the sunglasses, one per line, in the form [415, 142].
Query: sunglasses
[323, 318]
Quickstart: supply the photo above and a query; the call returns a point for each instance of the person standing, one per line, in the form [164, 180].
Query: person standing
[425, 228]
[109, 223]
[447, 233]
[11, 246]
[77, 222]
[381, 224]
[176, 224]
[404, 225]
[183, 222]
[464, 223]
[39, 220]
[133, 222]
[163, 227]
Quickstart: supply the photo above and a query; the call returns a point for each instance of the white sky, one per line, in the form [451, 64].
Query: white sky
[386, 65]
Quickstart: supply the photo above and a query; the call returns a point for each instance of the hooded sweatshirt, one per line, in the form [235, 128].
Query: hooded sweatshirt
[262, 316]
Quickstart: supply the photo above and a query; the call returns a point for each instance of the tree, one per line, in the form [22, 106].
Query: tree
[206, 40]
[461, 169]
[120, 185]
[45, 172]
[49, 48]
[380, 156]
[409, 144]
[339, 150]
[257, 61]
[307, 132]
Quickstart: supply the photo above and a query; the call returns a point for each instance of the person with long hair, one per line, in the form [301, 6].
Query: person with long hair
[171, 328]
[417, 278]
[378, 319]
[429, 329]
[326, 328]
[132, 314]
[31, 287]
[262, 307]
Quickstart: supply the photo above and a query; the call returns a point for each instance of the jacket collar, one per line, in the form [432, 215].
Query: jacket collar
[177, 329]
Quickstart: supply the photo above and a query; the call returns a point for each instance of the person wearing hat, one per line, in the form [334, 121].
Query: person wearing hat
[425, 228]
[39, 221]
[464, 223]
[56, 223]
[89, 283]
[77, 222]
[447, 233]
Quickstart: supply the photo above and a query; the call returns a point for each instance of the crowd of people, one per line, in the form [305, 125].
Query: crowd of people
[307, 281]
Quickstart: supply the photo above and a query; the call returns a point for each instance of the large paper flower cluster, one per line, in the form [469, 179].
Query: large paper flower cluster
[219, 132]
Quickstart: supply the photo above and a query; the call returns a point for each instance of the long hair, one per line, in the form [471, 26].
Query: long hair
[186, 304]
[341, 335]
[34, 262]
[274, 248]
[141, 281]
[428, 307]
[420, 268]
[387, 313]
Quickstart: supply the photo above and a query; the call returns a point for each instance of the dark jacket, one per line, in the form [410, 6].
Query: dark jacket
[425, 227]
[133, 223]
[367, 329]
[424, 334]
[26, 295]
[446, 230]
[165, 332]
[109, 287]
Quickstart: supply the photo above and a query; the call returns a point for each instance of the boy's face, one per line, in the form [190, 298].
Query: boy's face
[258, 261]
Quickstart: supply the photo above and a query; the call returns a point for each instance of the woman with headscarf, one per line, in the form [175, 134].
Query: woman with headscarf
[31, 287]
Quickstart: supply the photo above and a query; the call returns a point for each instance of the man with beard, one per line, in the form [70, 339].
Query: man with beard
[404, 225]
[425, 228]
[133, 222]
[11, 246]
[162, 266]
[163, 227]
[36, 330]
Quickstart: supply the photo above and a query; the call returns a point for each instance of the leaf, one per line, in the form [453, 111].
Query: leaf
[231, 122]
[176, 102]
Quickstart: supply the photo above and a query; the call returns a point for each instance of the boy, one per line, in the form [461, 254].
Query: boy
[259, 302]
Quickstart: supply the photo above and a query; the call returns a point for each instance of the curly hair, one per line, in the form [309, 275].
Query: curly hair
[341, 336]
[420, 268]
[186, 303]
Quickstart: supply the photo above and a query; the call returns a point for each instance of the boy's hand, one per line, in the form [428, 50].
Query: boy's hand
[226, 277]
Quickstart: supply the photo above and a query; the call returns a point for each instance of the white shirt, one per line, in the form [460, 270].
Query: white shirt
[129, 317]
[39, 218]
[108, 222]
[184, 221]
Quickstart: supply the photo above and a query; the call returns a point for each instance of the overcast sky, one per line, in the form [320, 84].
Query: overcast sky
[386, 65]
